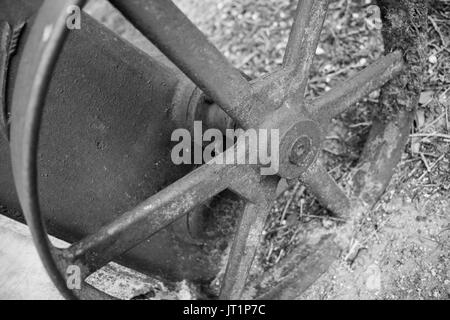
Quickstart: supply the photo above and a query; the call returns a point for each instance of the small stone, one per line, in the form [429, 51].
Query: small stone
[432, 59]
[327, 223]
[373, 281]
[319, 51]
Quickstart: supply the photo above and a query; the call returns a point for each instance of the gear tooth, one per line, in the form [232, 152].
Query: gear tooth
[15, 36]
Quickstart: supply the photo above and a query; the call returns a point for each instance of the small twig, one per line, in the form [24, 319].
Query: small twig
[416, 167]
[438, 30]
[294, 234]
[277, 229]
[432, 123]
[361, 124]
[432, 135]
[355, 248]
[425, 162]
[408, 161]
[325, 217]
[332, 152]
[430, 155]
[302, 201]
[447, 126]
[431, 167]
[291, 198]
[335, 137]
[279, 256]
[439, 243]
[270, 251]
[246, 59]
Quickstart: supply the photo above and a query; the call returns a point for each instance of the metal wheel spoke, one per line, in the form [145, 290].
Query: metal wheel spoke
[347, 94]
[303, 41]
[188, 48]
[326, 190]
[243, 250]
[248, 238]
[381, 154]
[149, 217]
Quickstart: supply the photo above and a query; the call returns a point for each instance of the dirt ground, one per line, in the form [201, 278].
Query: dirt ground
[405, 251]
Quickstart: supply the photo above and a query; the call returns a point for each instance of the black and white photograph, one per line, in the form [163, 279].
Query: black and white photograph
[200, 151]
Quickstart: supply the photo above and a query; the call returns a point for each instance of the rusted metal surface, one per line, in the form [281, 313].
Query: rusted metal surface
[51, 15]
[169, 29]
[248, 237]
[100, 154]
[382, 152]
[345, 95]
[259, 104]
[150, 216]
[243, 251]
[309, 131]
[302, 44]
[326, 190]
[404, 28]
[383, 149]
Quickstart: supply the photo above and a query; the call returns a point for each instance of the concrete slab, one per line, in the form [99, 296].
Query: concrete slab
[22, 275]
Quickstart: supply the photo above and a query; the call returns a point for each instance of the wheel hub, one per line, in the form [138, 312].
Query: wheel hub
[299, 149]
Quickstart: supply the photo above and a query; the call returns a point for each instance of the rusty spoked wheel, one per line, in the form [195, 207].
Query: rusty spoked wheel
[275, 101]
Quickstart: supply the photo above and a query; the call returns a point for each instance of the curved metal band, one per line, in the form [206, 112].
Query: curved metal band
[43, 45]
